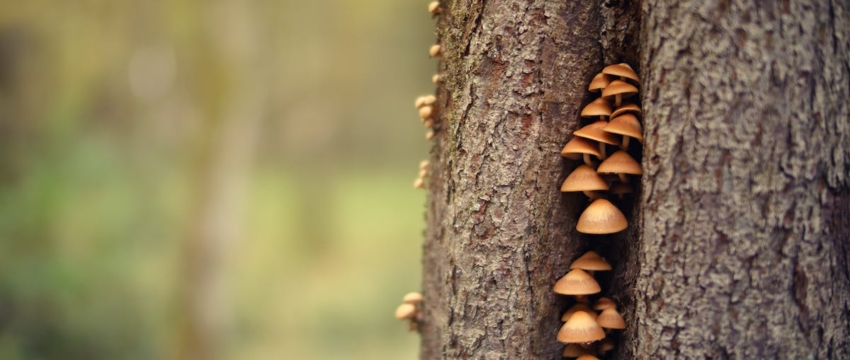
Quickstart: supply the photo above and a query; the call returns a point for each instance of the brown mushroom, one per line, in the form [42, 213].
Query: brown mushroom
[412, 298]
[623, 70]
[594, 132]
[610, 319]
[604, 303]
[580, 146]
[619, 90]
[598, 107]
[577, 282]
[591, 261]
[581, 328]
[620, 163]
[405, 311]
[626, 108]
[585, 179]
[599, 82]
[601, 217]
[576, 350]
[626, 125]
[577, 307]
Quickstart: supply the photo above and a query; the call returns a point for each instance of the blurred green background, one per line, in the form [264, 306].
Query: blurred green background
[224, 179]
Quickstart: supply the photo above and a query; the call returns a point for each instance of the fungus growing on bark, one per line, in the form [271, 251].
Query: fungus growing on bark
[598, 107]
[434, 50]
[599, 82]
[623, 70]
[580, 146]
[419, 183]
[605, 345]
[405, 311]
[581, 329]
[577, 307]
[619, 90]
[412, 298]
[429, 135]
[626, 125]
[576, 350]
[626, 108]
[434, 8]
[604, 303]
[620, 163]
[611, 319]
[425, 112]
[435, 79]
[591, 261]
[577, 282]
[601, 217]
[594, 132]
[584, 179]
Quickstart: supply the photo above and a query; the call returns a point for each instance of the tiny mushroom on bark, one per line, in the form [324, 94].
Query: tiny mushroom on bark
[591, 261]
[405, 311]
[435, 79]
[577, 307]
[623, 70]
[598, 107]
[626, 125]
[594, 132]
[601, 217]
[604, 303]
[584, 179]
[580, 146]
[577, 282]
[412, 298]
[610, 319]
[425, 112]
[619, 90]
[434, 8]
[580, 328]
[434, 50]
[626, 108]
[599, 82]
[620, 163]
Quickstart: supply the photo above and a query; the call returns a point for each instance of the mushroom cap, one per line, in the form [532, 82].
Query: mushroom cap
[591, 261]
[587, 357]
[405, 311]
[619, 87]
[412, 298]
[578, 146]
[621, 188]
[576, 350]
[577, 307]
[434, 50]
[604, 303]
[433, 6]
[626, 108]
[606, 345]
[425, 112]
[599, 82]
[601, 217]
[594, 132]
[581, 328]
[598, 107]
[620, 162]
[626, 125]
[610, 319]
[584, 178]
[621, 70]
[577, 282]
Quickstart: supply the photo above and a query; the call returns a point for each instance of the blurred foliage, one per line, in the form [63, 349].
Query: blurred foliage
[111, 112]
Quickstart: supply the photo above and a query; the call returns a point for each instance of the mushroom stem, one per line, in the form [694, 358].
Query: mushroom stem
[625, 144]
[623, 178]
[582, 299]
[617, 99]
[602, 151]
[587, 160]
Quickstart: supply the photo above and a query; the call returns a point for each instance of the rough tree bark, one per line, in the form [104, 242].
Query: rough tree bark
[739, 245]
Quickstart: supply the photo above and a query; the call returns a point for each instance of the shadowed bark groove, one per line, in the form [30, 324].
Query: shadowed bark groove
[744, 245]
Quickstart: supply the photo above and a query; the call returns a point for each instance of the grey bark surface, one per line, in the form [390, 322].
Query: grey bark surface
[745, 235]
[499, 231]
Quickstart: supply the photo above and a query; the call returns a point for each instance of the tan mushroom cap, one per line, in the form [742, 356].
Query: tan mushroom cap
[587, 357]
[425, 112]
[620, 162]
[610, 319]
[576, 350]
[594, 132]
[579, 146]
[598, 107]
[405, 311]
[626, 108]
[604, 303]
[619, 87]
[577, 282]
[584, 178]
[578, 307]
[599, 82]
[626, 125]
[581, 328]
[601, 217]
[591, 261]
[621, 70]
[412, 298]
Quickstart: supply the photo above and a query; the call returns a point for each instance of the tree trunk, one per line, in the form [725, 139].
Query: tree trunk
[746, 230]
[500, 233]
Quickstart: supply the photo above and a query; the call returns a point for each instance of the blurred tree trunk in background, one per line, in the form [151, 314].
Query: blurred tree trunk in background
[227, 152]
[739, 248]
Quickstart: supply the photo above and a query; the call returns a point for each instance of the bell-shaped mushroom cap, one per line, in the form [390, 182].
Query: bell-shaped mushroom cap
[626, 108]
[599, 82]
[606, 345]
[577, 307]
[579, 146]
[594, 132]
[577, 282]
[621, 70]
[587, 357]
[620, 162]
[598, 107]
[581, 328]
[584, 178]
[601, 217]
[621, 189]
[610, 319]
[412, 298]
[405, 311]
[576, 350]
[619, 87]
[604, 303]
[591, 261]
[627, 125]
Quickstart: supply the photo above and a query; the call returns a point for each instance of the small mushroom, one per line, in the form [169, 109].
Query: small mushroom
[626, 125]
[434, 51]
[606, 345]
[623, 70]
[604, 303]
[626, 108]
[434, 8]
[580, 146]
[405, 311]
[598, 107]
[577, 282]
[610, 319]
[424, 164]
[576, 350]
[594, 132]
[429, 135]
[435, 79]
[412, 298]
[419, 183]
[599, 82]
[577, 307]
[425, 112]
[620, 163]
[591, 261]
[601, 217]
[619, 90]
[581, 329]
[584, 179]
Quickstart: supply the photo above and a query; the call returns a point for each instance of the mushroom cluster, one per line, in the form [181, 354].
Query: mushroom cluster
[419, 183]
[410, 310]
[583, 325]
[612, 122]
[425, 104]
